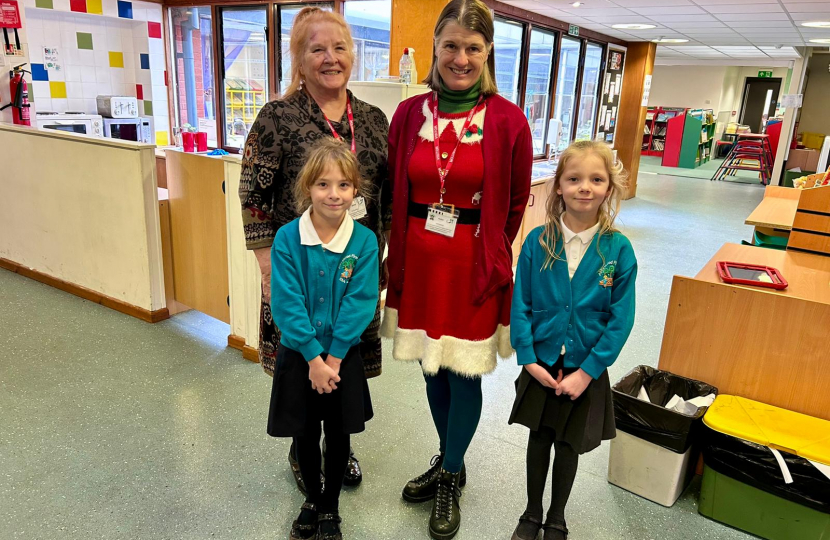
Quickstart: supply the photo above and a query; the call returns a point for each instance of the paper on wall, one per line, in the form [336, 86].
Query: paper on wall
[618, 83]
[606, 84]
[646, 90]
[611, 93]
[602, 112]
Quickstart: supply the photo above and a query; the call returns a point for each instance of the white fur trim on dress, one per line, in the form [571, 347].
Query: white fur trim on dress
[457, 123]
[464, 357]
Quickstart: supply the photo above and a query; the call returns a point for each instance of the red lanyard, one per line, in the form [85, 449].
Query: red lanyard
[351, 124]
[443, 172]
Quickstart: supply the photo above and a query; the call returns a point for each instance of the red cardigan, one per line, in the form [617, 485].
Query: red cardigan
[508, 158]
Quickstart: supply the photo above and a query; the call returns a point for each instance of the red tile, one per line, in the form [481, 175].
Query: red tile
[78, 5]
[139, 91]
[153, 28]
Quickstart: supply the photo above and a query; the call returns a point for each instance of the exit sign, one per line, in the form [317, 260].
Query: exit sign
[765, 74]
[573, 30]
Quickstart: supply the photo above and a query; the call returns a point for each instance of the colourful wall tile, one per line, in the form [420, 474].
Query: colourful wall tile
[148, 108]
[57, 89]
[161, 138]
[139, 91]
[44, 4]
[154, 30]
[95, 7]
[116, 59]
[39, 72]
[84, 41]
[78, 6]
[145, 61]
[125, 9]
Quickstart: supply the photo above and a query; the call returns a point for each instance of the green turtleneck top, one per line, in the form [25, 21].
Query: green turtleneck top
[456, 101]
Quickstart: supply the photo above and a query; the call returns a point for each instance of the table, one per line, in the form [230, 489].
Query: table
[770, 346]
[777, 209]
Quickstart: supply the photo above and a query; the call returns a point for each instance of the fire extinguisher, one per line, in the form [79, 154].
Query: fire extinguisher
[20, 96]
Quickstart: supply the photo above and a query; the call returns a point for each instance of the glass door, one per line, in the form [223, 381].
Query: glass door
[566, 88]
[537, 93]
[586, 122]
[244, 44]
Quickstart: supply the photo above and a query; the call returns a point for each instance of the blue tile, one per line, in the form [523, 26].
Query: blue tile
[145, 61]
[39, 73]
[125, 9]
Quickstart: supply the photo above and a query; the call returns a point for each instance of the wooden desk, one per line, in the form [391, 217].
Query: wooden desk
[776, 210]
[770, 346]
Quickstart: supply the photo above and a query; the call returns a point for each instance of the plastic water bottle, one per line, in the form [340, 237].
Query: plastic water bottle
[406, 67]
[414, 70]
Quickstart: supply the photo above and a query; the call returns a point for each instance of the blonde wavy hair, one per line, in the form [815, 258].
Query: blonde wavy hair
[326, 151]
[300, 34]
[608, 211]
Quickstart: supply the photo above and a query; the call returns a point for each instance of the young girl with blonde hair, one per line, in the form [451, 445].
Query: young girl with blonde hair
[572, 312]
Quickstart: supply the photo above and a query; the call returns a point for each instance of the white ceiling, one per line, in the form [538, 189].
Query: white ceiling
[734, 32]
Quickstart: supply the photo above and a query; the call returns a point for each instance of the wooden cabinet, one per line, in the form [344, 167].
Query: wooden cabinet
[535, 215]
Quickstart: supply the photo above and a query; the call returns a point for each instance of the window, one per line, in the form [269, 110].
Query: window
[245, 68]
[566, 88]
[286, 14]
[537, 92]
[370, 23]
[590, 90]
[507, 42]
[191, 29]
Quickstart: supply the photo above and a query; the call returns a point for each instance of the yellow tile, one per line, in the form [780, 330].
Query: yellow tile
[161, 138]
[57, 89]
[94, 7]
[116, 59]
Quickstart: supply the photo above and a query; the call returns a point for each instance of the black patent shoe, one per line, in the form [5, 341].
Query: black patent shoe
[445, 519]
[298, 477]
[329, 527]
[353, 475]
[304, 531]
[528, 528]
[422, 488]
[555, 530]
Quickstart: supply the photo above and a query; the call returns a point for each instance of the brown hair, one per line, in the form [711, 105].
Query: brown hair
[475, 16]
[300, 34]
[327, 150]
[608, 211]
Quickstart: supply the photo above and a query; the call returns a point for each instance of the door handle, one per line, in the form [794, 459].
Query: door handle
[532, 200]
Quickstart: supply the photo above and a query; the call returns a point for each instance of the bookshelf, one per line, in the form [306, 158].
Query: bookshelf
[655, 130]
[689, 139]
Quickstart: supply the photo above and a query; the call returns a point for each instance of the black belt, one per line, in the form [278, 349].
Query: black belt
[466, 216]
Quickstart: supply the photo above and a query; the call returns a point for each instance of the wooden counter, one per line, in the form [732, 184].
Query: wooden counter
[776, 210]
[770, 346]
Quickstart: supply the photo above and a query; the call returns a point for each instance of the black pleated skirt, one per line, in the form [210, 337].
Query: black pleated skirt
[582, 423]
[294, 404]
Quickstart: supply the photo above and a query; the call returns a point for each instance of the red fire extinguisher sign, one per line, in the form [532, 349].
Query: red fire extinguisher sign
[9, 14]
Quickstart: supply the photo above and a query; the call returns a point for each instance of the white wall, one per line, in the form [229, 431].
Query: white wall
[735, 88]
[695, 87]
[815, 113]
[83, 210]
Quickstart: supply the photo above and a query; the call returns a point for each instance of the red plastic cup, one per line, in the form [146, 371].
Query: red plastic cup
[201, 142]
[187, 141]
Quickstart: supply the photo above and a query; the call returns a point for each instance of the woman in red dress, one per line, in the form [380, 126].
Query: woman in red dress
[457, 206]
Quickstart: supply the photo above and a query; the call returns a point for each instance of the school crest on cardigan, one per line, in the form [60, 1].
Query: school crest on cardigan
[606, 273]
[346, 268]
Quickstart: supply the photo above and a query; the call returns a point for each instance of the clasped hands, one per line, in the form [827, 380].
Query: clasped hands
[324, 374]
[573, 385]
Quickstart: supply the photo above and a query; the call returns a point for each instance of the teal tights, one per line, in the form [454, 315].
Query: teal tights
[455, 403]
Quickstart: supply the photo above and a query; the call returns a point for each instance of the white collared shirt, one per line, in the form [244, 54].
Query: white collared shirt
[575, 250]
[309, 236]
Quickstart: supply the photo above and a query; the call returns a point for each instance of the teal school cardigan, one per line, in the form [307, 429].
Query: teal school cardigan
[591, 314]
[323, 301]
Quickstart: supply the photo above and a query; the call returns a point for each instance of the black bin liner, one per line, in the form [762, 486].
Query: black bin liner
[652, 422]
[755, 465]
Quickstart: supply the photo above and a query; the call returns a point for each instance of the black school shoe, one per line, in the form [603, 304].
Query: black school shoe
[528, 528]
[329, 527]
[445, 519]
[422, 488]
[305, 531]
[555, 530]
[353, 475]
[298, 477]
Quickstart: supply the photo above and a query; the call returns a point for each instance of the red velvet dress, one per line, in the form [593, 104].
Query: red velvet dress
[436, 321]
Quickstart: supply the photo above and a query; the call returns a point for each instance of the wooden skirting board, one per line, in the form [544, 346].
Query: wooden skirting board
[248, 353]
[87, 294]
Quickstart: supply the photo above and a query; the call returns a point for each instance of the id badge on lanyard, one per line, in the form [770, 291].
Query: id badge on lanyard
[442, 219]
[358, 208]
[351, 125]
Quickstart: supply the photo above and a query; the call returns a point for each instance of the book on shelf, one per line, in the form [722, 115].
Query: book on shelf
[662, 117]
[660, 131]
[649, 116]
[657, 145]
[646, 131]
